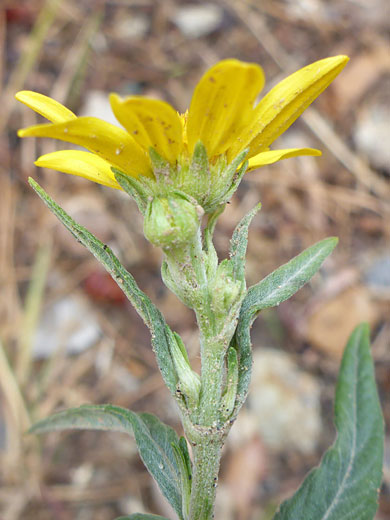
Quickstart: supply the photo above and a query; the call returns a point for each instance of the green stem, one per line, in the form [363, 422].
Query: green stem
[212, 356]
[207, 456]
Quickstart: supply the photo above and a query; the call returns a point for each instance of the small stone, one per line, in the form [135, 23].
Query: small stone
[198, 20]
[330, 326]
[284, 402]
[377, 275]
[97, 104]
[371, 132]
[132, 27]
[68, 324]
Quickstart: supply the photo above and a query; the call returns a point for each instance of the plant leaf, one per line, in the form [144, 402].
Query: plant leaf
[185, 468]
[239, 242]
[346, 484]
[289, 278]
[277, 287]
[133, 188]
[154, 440]
[162, 335]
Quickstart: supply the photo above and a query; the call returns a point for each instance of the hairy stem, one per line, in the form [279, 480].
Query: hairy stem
[212, 355]
[207, 456]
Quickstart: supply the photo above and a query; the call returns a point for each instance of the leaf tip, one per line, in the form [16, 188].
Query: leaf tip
[332, 242]
[33, 183]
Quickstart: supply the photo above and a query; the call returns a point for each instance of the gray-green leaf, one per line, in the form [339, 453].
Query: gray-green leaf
[239, 242]
[289, 278]
[154, 440]
[346, 484]
[277, 287]
[162, 335]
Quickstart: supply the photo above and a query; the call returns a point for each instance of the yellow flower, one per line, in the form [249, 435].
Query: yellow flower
[222, 115]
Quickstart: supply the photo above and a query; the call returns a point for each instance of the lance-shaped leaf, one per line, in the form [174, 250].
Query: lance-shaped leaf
[346, 484]
[162, 336]
[272, 290]
[239, 242]
[154, 440]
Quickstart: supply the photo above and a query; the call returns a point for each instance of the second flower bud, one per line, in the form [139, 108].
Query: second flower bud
[171, 221]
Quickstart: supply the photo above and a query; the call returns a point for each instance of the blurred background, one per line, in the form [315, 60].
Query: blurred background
[67, 334]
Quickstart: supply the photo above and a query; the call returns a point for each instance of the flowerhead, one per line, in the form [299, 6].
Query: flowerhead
[203, 152]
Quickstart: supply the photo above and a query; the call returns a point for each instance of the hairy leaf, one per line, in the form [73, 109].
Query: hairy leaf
[239, 242]
[133, 188]
[277, 287]
[289, 278]
[346, 484]
[162, 335]
[154, 440]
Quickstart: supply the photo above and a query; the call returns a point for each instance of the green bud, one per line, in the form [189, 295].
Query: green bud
[226, 290]
[189, 381]
[171, 221]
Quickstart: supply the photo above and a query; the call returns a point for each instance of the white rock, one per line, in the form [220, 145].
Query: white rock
[67, 324]
[132, 28]
[372, 135]
[97, 104]
[285, 402]
[198, 20]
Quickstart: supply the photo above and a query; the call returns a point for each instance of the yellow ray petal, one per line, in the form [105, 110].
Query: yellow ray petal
[222, 103]
[272, 156]
[150, 122]
[285, 103]
[106, 140]
[83, 164]
[45, 106]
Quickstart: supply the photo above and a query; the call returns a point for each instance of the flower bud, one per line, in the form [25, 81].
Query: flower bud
[189, 381]
[226, 290]
[171, 221]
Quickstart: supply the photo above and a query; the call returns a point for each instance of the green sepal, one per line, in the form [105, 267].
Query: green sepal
[161, 167]
[277, 287]
[239, 242]
[346, 484]
[234, 173]
[162, 336]
[199, 166]
[182, 460]
[154, 440]
[134, 188]
[195, 177]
